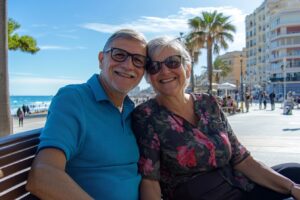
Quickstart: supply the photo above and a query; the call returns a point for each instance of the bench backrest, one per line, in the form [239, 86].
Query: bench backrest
[17, 152]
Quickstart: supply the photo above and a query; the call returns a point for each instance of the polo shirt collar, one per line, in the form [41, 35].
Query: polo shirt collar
[99, 92]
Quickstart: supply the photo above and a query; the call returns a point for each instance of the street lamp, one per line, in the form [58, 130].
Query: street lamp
[242, 84]
[284, 78]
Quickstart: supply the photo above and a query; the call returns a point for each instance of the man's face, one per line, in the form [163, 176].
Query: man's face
[118, 78]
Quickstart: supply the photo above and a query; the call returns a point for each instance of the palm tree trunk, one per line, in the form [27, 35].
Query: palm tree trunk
[209, 66]
[5, 118]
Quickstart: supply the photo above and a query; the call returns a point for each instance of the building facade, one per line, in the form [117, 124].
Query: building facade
[273, 46]
[236, 60]
[256, 48]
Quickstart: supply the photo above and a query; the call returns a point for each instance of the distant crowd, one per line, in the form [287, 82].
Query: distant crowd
[231, 104]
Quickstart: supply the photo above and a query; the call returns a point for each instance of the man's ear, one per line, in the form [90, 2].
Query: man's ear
[101, 59]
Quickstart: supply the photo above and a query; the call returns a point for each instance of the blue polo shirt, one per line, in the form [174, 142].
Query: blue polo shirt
[97, 140]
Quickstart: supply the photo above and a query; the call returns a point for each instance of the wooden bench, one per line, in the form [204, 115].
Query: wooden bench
[17, 152]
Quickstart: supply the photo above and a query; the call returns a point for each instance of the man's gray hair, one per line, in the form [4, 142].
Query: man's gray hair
[125, 34]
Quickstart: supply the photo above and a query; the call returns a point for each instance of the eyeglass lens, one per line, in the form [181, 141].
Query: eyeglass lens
[120, 55]
[172, 62]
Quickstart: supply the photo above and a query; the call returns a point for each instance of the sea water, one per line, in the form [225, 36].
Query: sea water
[35, 103]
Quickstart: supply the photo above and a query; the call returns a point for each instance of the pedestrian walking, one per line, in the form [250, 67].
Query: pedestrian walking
[260, 99]
[247, 101]
[265, 100]
[272, 100]
[20, 115]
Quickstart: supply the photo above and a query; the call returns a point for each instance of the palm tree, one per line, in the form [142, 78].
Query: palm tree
[193, 45]
[5, 123]
[11, 41]
[216, 30]
[224, 68]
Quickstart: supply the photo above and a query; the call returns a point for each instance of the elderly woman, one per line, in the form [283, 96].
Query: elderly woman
[187, 148]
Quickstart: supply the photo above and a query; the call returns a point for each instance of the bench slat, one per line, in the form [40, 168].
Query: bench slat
[15, 138]
[14, 180]
[17, 156]
[18, 146]
[11, 169]
[20, 193]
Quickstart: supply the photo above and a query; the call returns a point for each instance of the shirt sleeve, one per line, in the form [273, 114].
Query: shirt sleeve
[239, 152]
[64, 128]
[148, 142]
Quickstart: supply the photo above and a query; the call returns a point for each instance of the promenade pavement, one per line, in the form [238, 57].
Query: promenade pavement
[30, 122]
[270, 136]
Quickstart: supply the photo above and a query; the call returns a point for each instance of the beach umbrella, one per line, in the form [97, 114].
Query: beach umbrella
[226, 86]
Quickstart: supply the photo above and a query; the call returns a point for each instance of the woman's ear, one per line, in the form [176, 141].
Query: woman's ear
[188, 70]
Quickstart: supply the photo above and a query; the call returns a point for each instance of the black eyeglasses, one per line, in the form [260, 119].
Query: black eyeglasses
[172, 62]
[120, 55]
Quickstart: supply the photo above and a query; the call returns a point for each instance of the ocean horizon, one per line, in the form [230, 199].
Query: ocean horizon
[35, 103]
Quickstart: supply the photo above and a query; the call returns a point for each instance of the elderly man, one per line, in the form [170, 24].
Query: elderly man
[87, 148]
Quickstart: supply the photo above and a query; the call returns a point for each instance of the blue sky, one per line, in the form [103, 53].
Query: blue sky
[71, 33]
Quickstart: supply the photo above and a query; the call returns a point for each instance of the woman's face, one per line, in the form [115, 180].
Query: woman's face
[169, 82]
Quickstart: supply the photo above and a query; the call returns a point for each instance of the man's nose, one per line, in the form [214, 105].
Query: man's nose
[128, 63]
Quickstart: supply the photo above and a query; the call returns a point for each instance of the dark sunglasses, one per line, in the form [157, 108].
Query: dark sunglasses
[120, 55]
[172, 62]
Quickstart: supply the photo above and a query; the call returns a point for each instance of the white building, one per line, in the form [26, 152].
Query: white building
[272, 42]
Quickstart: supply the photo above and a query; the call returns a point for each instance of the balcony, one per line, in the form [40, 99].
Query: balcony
[287, 79]
[284, 35]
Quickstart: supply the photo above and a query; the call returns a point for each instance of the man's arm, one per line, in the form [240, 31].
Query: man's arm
[48, 179]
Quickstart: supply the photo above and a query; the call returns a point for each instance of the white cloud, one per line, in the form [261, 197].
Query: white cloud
[145, 24]
[53, 47]
[173, 24]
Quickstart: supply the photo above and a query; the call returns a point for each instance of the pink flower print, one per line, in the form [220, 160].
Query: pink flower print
[225, 138]
[204, 118]
[145, 166]
[203, 139]
[212, 156]
[226, 142]
[176, 123]
[186, 157]
[199, 136]
[155, 143]
[148, 111]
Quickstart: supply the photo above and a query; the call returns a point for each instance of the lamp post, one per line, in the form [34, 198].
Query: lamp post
[242, 84]
[284, 78]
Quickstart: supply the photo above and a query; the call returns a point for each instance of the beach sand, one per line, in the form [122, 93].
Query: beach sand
[32, 121]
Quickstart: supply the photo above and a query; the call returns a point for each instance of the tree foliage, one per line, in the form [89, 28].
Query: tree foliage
[220, 64]
[215, 30]
[24, 43]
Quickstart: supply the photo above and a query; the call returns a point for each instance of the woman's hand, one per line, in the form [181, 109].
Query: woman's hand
[150, 190]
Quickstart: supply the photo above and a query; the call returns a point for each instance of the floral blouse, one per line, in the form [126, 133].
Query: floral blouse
[172, 150]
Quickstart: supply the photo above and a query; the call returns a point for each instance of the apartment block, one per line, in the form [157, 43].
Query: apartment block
[273, 46]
